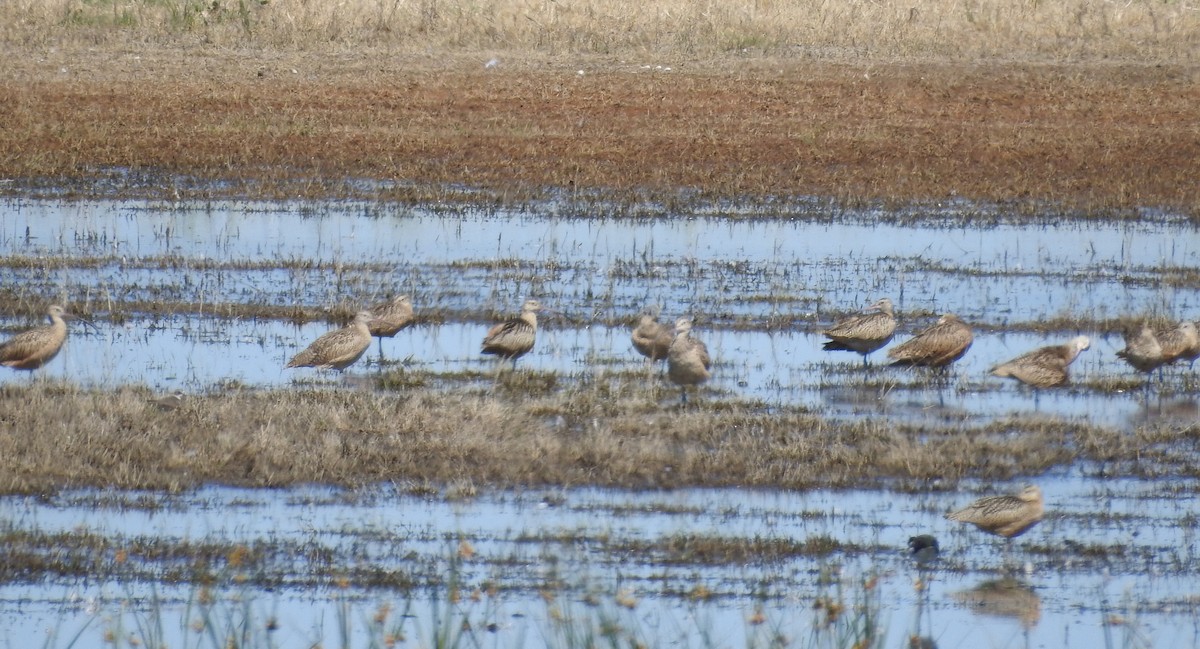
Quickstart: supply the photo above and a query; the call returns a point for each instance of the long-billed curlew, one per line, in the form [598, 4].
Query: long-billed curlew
[650, 337]
[337, 349]
[514, 338]
[1045, 367]
[938, 346]
[1142, 350]
[688, 362]
[32, 349]
[1180, 343]
[388, 318]
[865, 332]
[1007, 516]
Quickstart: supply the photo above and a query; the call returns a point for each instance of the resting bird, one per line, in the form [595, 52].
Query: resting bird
[1045, 367]
[688, 362]
[514, 338]
[865, 332]
[337, 349]
[1142, 350]
[938, 346]
[650, 337]
[388, 318]
[1180, 343]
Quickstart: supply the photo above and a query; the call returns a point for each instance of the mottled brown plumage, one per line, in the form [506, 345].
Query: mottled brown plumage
[514, 338]
[865, 332]
[388, 318]
[1007, 516]
[337, 349]
[650, 337]
[1045, 367]
[938, 346]
[1142, 350]
[32, 349]
[1180, 343]
[688, 362]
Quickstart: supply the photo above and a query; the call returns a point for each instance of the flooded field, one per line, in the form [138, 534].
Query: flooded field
[208, 298]
[1114, 564]
[192, 298]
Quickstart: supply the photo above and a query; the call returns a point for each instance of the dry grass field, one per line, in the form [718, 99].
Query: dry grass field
[1089, 105]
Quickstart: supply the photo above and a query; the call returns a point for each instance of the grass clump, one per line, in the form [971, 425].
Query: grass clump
[57, 435]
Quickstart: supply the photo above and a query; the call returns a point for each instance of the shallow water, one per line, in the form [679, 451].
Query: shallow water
[1120, 546]
[735, 275]
[582, 539]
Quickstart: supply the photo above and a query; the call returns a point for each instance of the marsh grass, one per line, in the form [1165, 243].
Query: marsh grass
[57, 435]
[664, 28]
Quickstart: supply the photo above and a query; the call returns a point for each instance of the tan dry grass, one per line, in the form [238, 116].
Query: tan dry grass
[55, 435]
[1026, 30]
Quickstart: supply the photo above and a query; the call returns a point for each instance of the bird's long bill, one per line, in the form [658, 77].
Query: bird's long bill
[84, 320]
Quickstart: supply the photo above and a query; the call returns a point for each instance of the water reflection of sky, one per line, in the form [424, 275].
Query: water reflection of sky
[1145, 529]
[198, 354]
[731, 268]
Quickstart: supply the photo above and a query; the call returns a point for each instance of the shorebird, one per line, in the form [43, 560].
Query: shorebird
[388, 318]
[688, 361]
[171, 401]
[32, 349]
[650, 337]
[938, 346]
[1180, 343]
[337, 349]
[1045, 367]
[865, 332]
[513, 338]
[1142, 350]
[1007, 516]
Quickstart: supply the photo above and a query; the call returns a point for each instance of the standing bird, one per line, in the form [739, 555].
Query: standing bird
[938, 346]
[1007, 516]
[688, 361]
[1142, 351]
[1045, 367]
[514, 338]
[388, 318]
[1181, 342]
[337, 349]
[32, 349]
[650, 337]
[865, 332]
